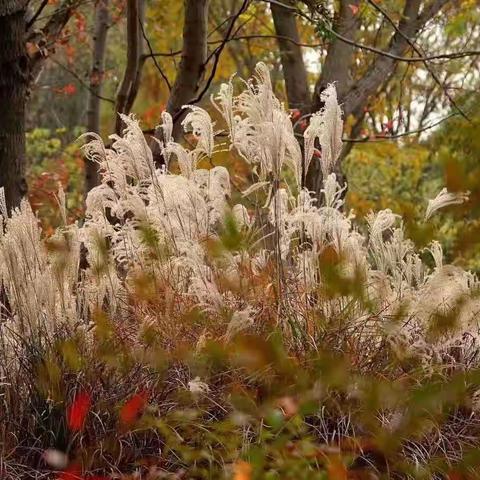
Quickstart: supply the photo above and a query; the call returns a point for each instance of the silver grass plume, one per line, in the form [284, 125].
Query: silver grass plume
[444, 199]
[326, 126]
[202, 127]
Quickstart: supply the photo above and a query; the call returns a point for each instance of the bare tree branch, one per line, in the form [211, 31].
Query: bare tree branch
[420, 53]
[382, 138]
[81, 81]
[45, 38]
[360, 46]
[153, 56]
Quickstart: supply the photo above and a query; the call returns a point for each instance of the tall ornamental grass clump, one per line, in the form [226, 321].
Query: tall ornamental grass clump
[216, 339]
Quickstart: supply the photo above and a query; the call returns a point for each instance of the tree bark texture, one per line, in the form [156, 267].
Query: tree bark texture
[294, 71]
[92, 178]
[192, 65]
[14, 79]
[133, 62]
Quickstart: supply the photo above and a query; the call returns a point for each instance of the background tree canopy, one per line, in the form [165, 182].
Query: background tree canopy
[406, 74]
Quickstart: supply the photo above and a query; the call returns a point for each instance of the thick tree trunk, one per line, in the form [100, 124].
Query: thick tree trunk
[191, 69]
[336, 69]
[293, 65]
[194, 55]
[14, 77]
[92, 178]
[338, 63]
[294, 70]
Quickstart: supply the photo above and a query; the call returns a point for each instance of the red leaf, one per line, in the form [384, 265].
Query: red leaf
[133, 408]
[353, 8]
[73, 472]
[78, 410]
[69, 89]
[295, 113]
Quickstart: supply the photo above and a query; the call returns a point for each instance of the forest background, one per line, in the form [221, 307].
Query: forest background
[406, 73]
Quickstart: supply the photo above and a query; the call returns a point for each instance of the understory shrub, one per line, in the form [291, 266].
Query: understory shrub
[175, 334]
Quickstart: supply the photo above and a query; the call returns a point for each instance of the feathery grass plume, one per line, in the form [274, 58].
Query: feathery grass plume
[167, 127]
[3, 203]
[436, 251]
[326, 126]
[142, 219]
[202, 127]
[224, 103]
[187, 160]
[167, 136]
[241, 320]
[444, 199]
[39, 281]
[241, 215]
[263, 130]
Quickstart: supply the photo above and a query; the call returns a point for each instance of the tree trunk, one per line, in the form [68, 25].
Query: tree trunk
[192, 64]
[92, 177]
[14, 77]
[133, 62]
[132, 94]
[336, 69]
[338, 63]
[294, 70]
[354, 96]
[190, 71]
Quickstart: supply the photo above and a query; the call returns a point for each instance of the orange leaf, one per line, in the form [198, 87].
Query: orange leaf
[69, 89]
[242, 471]
[336, 469]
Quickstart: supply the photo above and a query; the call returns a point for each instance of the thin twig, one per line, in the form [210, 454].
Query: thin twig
[440, 56]
[362, 46]
[379, 138]
[81, 81]
[36, 14]
[424, 60]
[153, 57]
[218, 52]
